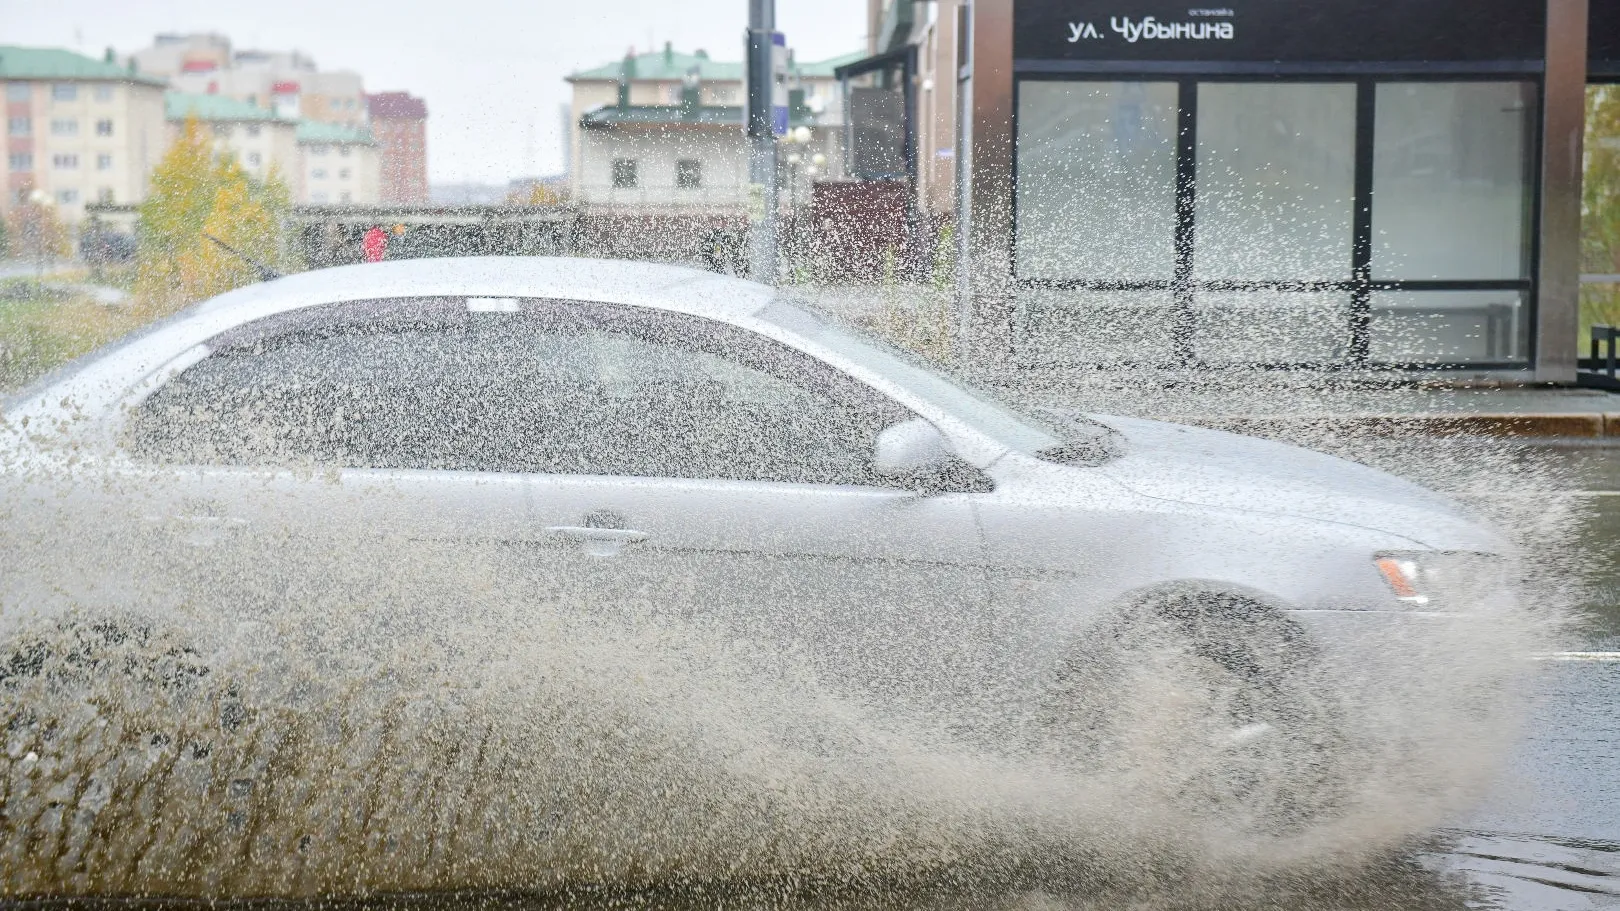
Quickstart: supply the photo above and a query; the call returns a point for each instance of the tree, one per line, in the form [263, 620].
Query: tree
[32, 230]
[197, 193]
[1600, 207]
[535, 193]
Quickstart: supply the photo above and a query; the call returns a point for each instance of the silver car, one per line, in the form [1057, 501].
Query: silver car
[640, 433]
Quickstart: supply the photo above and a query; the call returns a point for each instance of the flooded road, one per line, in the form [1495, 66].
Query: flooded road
[1548, 837]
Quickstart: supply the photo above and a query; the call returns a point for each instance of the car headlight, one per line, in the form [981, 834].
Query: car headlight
[1446, 580]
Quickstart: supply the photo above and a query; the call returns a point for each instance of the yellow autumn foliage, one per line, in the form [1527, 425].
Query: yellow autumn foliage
[198, 192]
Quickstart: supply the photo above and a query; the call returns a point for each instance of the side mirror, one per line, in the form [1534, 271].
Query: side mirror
[909, 449]
[916, 454]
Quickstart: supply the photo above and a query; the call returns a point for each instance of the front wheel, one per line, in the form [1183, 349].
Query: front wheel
[1213, 701]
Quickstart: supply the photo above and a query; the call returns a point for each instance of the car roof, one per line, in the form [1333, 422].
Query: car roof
[655, 285]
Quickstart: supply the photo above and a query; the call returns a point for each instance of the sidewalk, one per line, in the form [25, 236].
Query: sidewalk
[1290, 407]
[1262, 402]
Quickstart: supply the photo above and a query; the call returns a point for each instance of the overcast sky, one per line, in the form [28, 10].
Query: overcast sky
[491, 70]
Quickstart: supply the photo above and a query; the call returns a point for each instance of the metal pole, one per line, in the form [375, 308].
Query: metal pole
[1563, 122]
[762, 190]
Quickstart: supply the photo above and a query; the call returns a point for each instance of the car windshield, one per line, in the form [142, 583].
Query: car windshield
[978, 409]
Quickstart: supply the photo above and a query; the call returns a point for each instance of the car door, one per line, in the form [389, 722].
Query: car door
[712, 478]
[365, 442]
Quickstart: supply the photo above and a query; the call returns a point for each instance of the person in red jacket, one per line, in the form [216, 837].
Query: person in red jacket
[375, 244]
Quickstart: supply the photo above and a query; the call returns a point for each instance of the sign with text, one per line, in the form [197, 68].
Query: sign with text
[1296, 31]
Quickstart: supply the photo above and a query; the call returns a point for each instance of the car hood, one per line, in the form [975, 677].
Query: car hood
[1227, 470]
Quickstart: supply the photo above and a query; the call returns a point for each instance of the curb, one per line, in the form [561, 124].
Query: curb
[1589, 425]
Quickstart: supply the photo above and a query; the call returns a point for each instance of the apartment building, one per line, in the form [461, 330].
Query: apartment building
[340, 165]
[78, 130]
[258, 138]
[288, 82]
[399, 124]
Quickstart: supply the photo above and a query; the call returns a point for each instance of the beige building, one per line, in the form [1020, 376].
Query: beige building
[260, 140]
[78, 130]
[664, 129]
[340, 165]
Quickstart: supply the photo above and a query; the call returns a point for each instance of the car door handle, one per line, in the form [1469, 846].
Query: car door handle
[600, 542]
[201, 530]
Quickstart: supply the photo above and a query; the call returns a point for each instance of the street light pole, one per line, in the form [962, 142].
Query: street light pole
[762, 190]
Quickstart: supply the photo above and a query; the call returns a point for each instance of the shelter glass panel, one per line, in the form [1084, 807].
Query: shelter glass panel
[1097, 180]
[1058, 328]
[1300, 327]
[1451, 180]
[1276, 181]
[1448, 327]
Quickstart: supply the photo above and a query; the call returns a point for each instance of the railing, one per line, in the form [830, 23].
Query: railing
[1603, 362]
[1599, 368]
[667, 198]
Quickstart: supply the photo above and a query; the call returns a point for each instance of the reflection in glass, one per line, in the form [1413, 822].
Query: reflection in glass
[1276, 181]
[1450, 184]
[1062, 328]
[1447, 327]
[1272, 327]
[1096, 180]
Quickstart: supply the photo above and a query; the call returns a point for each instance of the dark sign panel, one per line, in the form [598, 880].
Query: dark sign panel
[1295, 31]
[1603, 39]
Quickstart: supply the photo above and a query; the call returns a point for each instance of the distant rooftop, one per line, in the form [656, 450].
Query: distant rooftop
[396, 106]
[335, 133]
[670, 65]
[180, 105]
[54, 63]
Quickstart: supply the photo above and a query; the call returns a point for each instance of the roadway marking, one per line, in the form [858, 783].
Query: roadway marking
[1539, 496]
[1578, 656]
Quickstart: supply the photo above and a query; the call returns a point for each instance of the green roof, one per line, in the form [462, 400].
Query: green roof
[824, 68]
[180, 105]
[707, 115]
[336, 133]
[671, 66]
[665, 65]
[55, 63]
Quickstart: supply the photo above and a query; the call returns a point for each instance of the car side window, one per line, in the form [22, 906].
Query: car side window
[551, 388]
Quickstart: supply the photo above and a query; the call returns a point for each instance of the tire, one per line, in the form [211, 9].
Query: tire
[1214, 700]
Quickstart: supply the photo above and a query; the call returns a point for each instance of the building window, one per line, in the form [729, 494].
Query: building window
[624, 173]
[19, 126]
[343, 174]
[254, 159]
[105, 196]
[104, 128]
[317, 150]
[22, 161]
[104, 92]
[66, 127]
[104, 162]
[64, 91]
[344, 151]
[222, 130]
[18, 91]
[252, 129]
[67, 197]
[688, 174]
[317, 197]
[65, 162]
[318, 173]
[345, 196]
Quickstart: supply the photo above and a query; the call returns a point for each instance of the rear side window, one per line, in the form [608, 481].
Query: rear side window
[544, 387]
